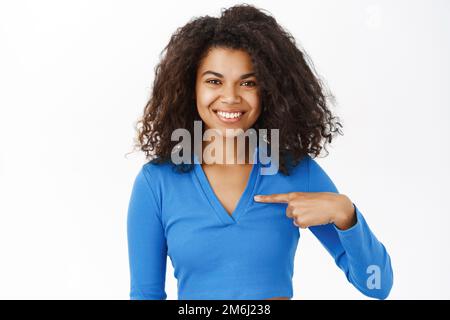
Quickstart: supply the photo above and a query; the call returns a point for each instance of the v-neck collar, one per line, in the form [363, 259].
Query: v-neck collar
[245, 198]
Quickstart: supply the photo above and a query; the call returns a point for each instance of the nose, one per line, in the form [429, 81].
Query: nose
[229, 95]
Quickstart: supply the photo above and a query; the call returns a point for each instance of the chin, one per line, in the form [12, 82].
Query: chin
[229, 132]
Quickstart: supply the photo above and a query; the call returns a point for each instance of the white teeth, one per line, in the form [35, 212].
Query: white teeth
[229, 115]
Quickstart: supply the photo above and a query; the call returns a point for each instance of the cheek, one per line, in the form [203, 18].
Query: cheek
[204, 99]
[255, 104]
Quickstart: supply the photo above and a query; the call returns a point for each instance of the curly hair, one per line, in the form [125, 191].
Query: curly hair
[293, 98]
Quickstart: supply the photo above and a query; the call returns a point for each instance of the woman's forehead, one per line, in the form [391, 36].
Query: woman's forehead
[228, 62]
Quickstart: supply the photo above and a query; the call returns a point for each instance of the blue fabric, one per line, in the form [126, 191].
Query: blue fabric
[248, 255]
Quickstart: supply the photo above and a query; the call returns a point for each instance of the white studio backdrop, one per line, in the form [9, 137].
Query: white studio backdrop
[75, 76]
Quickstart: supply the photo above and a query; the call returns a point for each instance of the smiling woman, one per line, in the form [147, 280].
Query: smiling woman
[240, 71]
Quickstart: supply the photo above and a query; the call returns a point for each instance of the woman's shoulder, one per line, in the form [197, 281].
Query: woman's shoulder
[166, 169]
[308, 169]
[299, 166]
[306, 165]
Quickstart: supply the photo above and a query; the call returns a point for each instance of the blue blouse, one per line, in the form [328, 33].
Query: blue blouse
[246, 255]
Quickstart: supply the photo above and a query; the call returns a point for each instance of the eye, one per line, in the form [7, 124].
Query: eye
[213, 81]
[252, 83]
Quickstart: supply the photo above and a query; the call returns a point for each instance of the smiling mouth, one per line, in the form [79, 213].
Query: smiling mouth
[229, 116]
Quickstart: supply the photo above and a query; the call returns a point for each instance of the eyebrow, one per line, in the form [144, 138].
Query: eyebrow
[219, 75]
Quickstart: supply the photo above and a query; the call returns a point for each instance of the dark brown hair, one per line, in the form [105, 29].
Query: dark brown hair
[293, 98]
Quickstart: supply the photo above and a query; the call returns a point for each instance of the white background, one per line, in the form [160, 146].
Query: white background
[75, 76]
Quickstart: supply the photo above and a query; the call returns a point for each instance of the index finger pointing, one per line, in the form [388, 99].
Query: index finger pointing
[275, 198]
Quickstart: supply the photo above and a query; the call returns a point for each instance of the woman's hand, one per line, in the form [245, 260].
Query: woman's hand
[315, 208]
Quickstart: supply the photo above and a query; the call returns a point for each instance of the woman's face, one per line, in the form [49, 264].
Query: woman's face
[227, 92]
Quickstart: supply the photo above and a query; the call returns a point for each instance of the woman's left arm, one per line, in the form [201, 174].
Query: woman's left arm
[341, 228]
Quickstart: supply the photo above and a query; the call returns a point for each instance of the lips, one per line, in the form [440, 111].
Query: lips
[229, 116]
[230, 110]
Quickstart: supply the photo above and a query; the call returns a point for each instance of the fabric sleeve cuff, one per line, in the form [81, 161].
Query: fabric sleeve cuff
[355, 230]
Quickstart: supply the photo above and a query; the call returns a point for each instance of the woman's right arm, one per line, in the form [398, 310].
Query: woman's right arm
[147, 247]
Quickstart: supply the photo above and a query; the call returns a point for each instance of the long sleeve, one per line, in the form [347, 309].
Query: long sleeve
[356, 251]
[147, 246]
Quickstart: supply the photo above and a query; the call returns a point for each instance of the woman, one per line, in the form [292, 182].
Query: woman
[231, 232]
